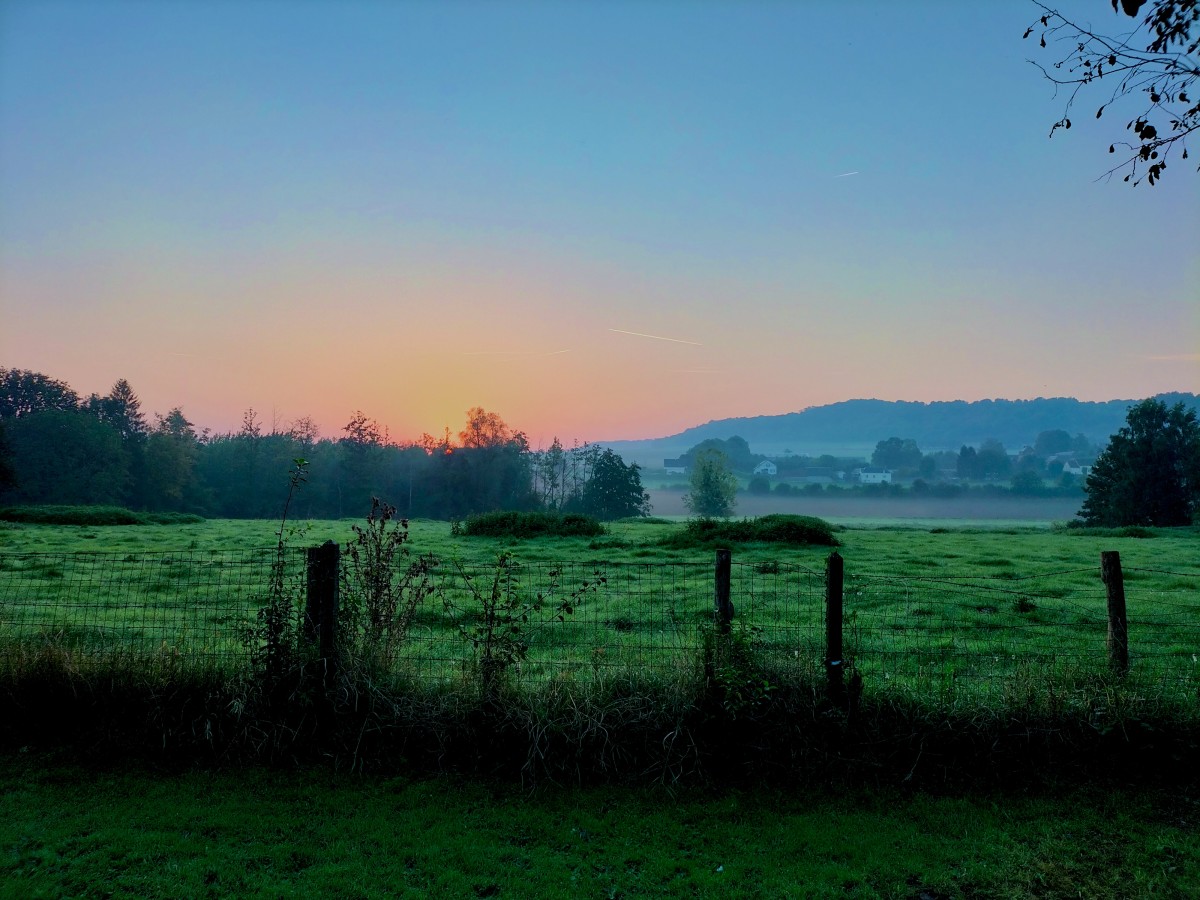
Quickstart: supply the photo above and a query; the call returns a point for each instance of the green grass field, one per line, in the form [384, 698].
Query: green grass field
[912, 591]
[932, 608]
[68, 832]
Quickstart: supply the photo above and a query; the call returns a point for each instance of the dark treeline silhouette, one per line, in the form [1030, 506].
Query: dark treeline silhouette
[59, 448]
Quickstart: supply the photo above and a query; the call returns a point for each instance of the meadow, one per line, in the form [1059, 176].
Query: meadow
[938, 607]
[840, 812]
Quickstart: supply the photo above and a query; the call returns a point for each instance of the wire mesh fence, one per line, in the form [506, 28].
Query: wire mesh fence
[576, 620]
[980, 633]
[198, 605]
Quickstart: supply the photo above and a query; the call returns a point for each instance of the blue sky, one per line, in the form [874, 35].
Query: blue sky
[414, 208]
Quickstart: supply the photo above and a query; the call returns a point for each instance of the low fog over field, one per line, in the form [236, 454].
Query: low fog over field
[1047, 509]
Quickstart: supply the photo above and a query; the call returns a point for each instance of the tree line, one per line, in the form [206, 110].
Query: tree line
[57, 447]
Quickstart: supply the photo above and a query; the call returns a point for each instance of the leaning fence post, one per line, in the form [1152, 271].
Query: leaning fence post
[834, 667]
[321, 607]
[1118, 622]
[721, 601]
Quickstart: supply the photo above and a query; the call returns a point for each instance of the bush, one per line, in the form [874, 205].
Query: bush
[530, 525]
[773, 529]
[92, 516]
[1078, 527]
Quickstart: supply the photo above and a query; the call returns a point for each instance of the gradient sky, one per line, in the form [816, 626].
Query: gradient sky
[309, 208]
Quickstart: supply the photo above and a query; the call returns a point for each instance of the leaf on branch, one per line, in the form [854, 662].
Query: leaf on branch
[1112, 148]
[1028, 31]
[1099, 112]
[1148, 133]
[1043, 40]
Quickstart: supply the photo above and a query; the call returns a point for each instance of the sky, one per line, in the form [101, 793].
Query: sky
[601, 221]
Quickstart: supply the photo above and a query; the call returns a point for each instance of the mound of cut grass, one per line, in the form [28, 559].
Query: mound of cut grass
[531, 525]
[92, 516]
[773, 529]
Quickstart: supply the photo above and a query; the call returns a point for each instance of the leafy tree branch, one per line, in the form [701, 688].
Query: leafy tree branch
[1154, 67]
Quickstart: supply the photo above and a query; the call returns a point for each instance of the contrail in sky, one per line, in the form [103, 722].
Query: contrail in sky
[845, 174]
[657, 337]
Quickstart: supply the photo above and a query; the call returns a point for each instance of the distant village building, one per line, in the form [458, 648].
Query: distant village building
[872, 475]
[766, 467]
[675, 466]
[1074, 467]
[1071, 464]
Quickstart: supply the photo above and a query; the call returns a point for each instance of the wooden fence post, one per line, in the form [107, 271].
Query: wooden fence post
[721, 600]
[1118, 622]
[834, 666]
[321, 606]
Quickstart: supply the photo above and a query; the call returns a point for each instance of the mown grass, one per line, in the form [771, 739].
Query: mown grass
[66, 831]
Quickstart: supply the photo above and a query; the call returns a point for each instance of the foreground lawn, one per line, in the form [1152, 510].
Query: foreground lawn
[68, 832]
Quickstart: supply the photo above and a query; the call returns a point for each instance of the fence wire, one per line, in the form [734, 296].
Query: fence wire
[579, 620]
[192, 604]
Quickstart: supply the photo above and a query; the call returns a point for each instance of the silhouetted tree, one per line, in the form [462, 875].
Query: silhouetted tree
[8, 475]
[23, 392]
[713, 487]
[1155, 62]
[614, 490]
[895, 453]
[1150, 472]
[484, 429]
[550, 475]
[121, 409]
[170, 460]
[735, 450]
[67, 456]
[1027, 483]
[1050, 442]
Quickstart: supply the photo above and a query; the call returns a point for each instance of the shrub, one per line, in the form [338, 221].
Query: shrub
[759, 485]
[383, 587]
[531, 524]
[1077, 527]
[774, 529]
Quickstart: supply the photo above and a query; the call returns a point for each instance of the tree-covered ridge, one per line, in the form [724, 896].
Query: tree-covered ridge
[939, 425]
[58, 449]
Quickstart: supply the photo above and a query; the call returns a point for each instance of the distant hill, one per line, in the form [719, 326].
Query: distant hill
[854, 427]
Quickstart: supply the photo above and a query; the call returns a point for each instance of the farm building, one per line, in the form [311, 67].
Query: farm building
[766, 467]
[872, 475]
[675, 466]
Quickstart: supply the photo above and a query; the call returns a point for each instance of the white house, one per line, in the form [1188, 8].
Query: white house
[1073, 467]
[674, 467]
[872, 475]
[766, 467]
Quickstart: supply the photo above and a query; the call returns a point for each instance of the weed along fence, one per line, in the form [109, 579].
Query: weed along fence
[444, 623]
